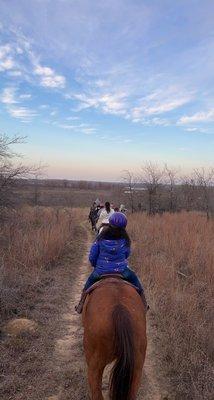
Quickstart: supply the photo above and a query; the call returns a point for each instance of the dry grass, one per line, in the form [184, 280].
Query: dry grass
[32, 239]
[174, 254]
[42, 251]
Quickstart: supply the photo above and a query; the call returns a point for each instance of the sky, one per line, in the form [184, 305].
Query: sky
[98, 86]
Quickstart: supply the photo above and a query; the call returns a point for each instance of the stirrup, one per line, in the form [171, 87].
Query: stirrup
[79, 307]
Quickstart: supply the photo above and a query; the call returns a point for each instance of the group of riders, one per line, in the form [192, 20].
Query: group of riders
[100, 213]
[111, 248]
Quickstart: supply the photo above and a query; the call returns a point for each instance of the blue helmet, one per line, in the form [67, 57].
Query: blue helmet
[118, 219]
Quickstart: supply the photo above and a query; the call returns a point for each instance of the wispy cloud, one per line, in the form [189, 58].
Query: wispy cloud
[19, 59]
[201, 116]
[160, 102]
[73, 118]
[12, 100]
[23, 113]
[25, 96]
[81, 128]
[8, 96]
[107, 103]
[6, 60]
[192, 129]
[49, 78]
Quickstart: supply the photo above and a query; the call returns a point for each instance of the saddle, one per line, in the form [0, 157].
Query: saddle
[111, 278]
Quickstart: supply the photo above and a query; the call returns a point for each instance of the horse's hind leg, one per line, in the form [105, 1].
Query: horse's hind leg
[95, 374]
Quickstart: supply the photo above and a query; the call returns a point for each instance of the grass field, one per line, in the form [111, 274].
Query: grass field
[66, 197]
[174, 255]
[41, 251]
[32, 240]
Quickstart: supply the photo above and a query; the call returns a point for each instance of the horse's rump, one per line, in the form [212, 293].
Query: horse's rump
[115, 330]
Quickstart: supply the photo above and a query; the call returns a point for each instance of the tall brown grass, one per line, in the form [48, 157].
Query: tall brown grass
[174, 254]
[32, 239]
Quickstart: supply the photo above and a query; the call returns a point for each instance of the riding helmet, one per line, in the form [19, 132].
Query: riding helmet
[118, 219]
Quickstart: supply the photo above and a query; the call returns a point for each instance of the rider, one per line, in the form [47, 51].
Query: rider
[93, 216]
[109, 254]
[105, 214]
[123, 208]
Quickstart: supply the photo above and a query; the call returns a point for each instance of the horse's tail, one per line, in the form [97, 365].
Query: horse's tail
[122, 372]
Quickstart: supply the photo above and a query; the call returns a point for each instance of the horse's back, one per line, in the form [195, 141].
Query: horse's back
[98, 311]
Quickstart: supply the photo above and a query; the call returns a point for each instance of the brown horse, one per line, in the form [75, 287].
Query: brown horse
[114, 320]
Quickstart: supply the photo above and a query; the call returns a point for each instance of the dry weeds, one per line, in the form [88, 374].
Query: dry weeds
[32, 239]
[38, 276]
[174, 254]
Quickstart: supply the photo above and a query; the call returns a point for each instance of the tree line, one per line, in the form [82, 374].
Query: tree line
[155, 189]
[159, 188]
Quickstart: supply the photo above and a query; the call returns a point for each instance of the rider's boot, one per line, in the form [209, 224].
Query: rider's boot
[143, 297]
[79, 307]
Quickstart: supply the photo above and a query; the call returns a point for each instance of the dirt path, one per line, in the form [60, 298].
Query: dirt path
[69, 357]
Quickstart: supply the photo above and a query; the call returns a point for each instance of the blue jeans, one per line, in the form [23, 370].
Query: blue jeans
[127, 274]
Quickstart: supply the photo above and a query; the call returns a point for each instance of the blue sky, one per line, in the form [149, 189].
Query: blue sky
[102, 86]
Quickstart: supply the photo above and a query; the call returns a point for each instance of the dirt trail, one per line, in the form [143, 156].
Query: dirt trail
[69, 357]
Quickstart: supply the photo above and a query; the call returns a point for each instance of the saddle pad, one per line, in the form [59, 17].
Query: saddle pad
[110, 279]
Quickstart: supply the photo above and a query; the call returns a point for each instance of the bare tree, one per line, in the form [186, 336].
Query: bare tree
[188, 189]
[130, 181]
[205, 181]
[151, 177]
[38, 173]
[171, 180]
[10, 170]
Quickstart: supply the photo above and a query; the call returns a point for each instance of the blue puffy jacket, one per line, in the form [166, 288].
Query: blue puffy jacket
[109, 256]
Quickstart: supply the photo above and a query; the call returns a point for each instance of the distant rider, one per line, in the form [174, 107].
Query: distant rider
[105, 214]
[93, 216]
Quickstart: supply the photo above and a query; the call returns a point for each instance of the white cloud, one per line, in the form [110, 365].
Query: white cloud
[56, 81]
[165, 106]
[6, 64]
[88, 131]
[25, 96]
[108, 103]
[44, 106]
[114, 103]
[67, 126]
[82, 128]
[49, 78]
[4, 50]
[160, 102]
[202, 116]
[72, 118]
[10, 99]
[160, 121]
[6, 60]
[191, 129]
[8, 96]
[23, 113]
